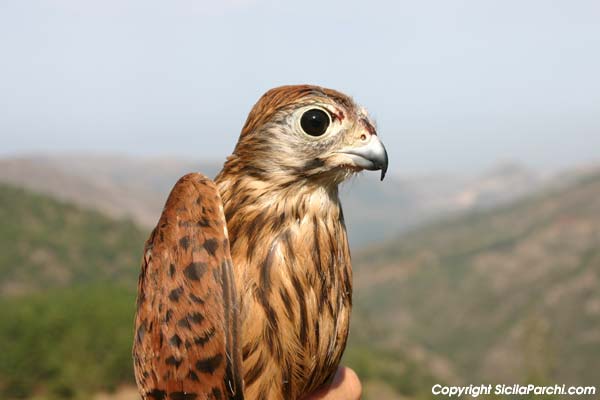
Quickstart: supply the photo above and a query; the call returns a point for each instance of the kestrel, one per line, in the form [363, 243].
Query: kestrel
[246, 284]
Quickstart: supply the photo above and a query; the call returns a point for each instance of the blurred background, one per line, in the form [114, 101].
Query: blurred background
[476, 261]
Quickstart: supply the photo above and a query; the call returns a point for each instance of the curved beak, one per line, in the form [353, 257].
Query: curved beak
[371, 156]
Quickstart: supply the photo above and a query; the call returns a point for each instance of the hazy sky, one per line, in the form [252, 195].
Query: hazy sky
[454, 85]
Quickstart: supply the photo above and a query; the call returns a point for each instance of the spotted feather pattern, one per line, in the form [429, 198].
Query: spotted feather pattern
[185, 345]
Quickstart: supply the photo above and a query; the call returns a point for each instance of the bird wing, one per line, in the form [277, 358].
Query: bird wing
[186, 326]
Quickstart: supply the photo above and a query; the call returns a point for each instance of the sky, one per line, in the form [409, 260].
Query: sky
[454, 85]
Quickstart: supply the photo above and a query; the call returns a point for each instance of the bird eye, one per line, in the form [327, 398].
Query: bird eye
[315, 122]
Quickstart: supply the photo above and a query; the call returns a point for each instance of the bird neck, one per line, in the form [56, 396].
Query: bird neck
[252, 187]
[262, 200]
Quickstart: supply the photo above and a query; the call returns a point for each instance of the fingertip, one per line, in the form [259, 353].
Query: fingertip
[351, 382]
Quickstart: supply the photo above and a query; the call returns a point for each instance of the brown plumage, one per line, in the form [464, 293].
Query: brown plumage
[246, 283]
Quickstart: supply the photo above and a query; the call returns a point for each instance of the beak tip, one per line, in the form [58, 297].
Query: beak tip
[384, 167]
[383, 171]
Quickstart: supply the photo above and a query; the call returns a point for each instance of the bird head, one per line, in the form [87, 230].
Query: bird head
[308, 134]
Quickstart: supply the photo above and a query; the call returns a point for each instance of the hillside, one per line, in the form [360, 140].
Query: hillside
[120, 187]
[67, 293]
[48, 243]
[508, 295]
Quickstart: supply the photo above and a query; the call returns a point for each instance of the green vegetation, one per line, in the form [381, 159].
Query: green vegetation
[66, 343]
[67, 294]
[46, 243]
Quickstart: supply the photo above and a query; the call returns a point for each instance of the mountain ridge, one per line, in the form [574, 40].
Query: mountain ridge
[136, 188]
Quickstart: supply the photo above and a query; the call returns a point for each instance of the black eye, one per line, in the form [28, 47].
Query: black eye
[315, 122]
